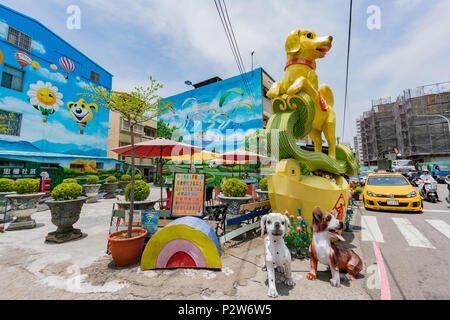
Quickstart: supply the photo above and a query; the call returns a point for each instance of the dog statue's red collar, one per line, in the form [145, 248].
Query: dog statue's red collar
[299, 61]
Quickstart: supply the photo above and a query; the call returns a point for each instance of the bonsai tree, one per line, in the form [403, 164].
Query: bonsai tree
[67, 191]
[92, 179]
[125, 177]
[6, 185]
[70, 180]
[263, 184]
[136, 107]
[234, 188]
[26, 186]
[111, 179]
[141, 191]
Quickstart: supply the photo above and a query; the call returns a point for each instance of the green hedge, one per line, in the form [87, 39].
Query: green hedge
[234, 188]
[111, 179]
[26, 186]
[92, 180]
[141, 191]
[67, 191]
[263, 184]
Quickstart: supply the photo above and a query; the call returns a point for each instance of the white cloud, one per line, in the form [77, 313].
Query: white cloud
[3, 29]
[53, 76]
[38, 47]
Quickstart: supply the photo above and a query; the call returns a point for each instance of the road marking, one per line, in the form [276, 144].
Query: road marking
[384, 281]
[370, 229]
[446, 211]
[411, 234]
[441, 226]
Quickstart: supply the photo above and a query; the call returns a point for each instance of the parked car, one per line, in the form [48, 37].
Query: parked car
[390, 191]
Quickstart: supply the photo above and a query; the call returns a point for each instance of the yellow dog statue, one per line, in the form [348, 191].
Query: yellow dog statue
[303, 48]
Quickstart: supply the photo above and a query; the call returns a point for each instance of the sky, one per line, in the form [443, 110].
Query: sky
[179, 40]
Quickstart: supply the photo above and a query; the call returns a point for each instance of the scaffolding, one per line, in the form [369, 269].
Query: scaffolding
[416, 123]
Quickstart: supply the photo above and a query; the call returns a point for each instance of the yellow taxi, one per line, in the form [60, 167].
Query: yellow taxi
[390, 191]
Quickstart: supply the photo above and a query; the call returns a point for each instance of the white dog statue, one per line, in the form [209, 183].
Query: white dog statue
[276, 252]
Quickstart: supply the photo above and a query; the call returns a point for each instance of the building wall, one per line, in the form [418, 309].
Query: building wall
[44, 104]
[217, 116]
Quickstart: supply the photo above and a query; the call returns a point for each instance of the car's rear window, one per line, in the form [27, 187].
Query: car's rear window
[387, 181]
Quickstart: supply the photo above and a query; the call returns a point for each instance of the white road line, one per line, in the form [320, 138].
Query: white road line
[441, 226]
[411, 234]
[446, 211]
[370, 229]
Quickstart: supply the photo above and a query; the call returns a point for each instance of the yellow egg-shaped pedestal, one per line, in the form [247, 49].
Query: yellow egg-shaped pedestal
[289, 190]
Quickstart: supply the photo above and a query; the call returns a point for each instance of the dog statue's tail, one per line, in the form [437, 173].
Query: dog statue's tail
[327, 94]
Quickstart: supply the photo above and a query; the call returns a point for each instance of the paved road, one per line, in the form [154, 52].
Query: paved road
[415, 250]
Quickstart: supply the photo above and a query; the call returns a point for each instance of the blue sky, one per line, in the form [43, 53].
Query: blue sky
[178, 40]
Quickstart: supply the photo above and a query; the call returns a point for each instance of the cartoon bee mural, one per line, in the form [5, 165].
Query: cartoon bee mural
[82, 112]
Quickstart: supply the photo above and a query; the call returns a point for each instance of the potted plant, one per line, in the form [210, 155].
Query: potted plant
[125, 179]
[357, 192]
[65, 208]
[91, 188]
[70, 180]
[141, 193]
[110, 187]
[262, 192]
[24, 203]
[6, 188]
[234, 194]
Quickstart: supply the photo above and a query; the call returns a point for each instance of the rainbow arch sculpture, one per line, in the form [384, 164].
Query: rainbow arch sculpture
[187, 242]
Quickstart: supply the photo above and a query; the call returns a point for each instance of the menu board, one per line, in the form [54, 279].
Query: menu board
[188, 197]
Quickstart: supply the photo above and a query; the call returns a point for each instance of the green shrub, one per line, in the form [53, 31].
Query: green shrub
[125, 177]
[67, 191]
[92, 180]
[358, 190]
[27, 185]
[141, 191]
[263, 184]
[234, 188]
[6, 185]
[138, 177]
[70, 180]
[111, 179]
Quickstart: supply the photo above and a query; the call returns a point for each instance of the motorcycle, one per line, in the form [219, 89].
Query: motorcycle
[448, 196]
[428, 190]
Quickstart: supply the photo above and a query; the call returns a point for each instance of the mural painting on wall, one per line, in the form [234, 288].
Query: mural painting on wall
[45, 86]
[218, 116]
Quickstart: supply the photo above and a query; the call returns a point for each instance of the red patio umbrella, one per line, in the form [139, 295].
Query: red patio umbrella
[241, 155]
[159, 147]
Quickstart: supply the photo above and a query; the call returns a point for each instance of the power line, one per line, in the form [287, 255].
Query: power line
[229, 32]
[346, 75]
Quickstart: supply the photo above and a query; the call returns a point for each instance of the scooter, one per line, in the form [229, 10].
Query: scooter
[428, 190]
[448, 196]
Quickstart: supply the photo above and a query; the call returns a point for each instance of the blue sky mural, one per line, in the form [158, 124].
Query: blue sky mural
[51, 84]
[220, 115]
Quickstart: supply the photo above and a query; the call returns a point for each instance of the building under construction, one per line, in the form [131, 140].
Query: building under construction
[416, 125]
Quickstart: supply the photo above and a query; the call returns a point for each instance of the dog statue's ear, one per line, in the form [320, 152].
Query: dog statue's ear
[288, 223]
[334, 213]
[263, 224]
[317, 214]
[292, 44]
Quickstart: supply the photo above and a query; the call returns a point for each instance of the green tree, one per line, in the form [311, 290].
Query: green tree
[163, 130]
[138, 106]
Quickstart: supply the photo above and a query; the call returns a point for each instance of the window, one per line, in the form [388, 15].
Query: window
[10, 123]
[149, 132]
[19, 39]
[99, 165]
[95, 76]
[13, 78]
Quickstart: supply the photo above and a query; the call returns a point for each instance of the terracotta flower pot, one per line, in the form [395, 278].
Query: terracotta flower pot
[126, 252]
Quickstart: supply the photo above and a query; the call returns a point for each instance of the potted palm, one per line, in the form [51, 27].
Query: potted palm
[91, 188]
[262, 192]
[24, 203]
[65, 208]
[6, 188]
[111, 187]
[234, 194]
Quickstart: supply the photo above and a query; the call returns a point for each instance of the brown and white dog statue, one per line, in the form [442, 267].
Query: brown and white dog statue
[324, 251]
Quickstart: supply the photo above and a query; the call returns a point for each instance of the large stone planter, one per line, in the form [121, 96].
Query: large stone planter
[110, 189]
[4, 207]
[262, 195]
[122, 185]
[138, 205]
[91, 191]
[234, 203]
[22, 207]
[64, 215]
